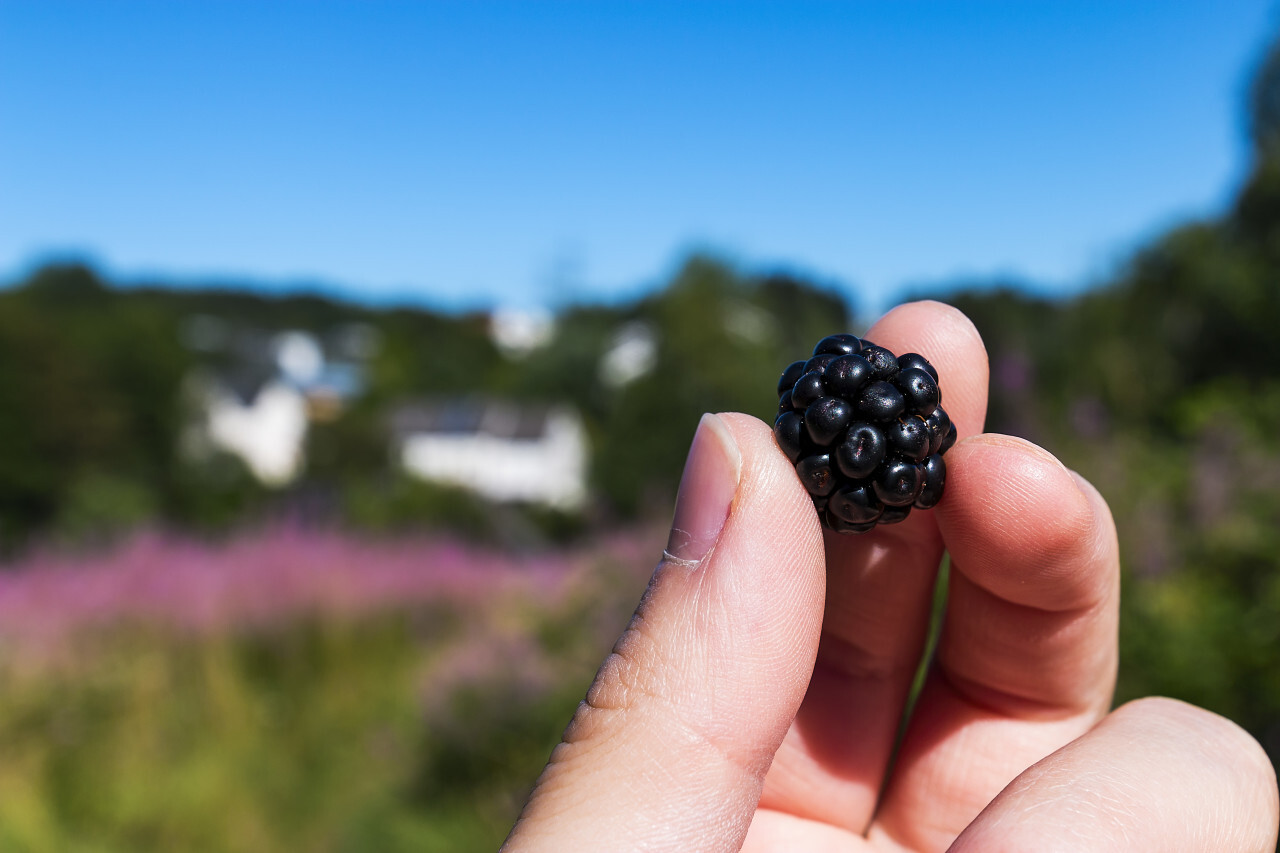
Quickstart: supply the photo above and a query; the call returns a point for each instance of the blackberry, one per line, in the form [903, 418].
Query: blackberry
[855, 505]
[789, 377]
[882, 361]
[860, 454]
[826, 419]
[920, 391]
[819, 362]
[788, 431]
[846, 376]
[909, 438]
[842, 344]
[881, 402]
[916, 360]
[898, 482]
[866, 432]
[807, 390]
[816, 474]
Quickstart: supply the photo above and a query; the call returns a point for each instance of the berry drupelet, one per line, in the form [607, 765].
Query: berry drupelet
[866, 431]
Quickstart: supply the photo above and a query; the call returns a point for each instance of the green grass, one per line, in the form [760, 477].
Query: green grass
[319, 736]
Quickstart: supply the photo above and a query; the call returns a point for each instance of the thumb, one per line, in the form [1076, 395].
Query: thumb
[670, 748]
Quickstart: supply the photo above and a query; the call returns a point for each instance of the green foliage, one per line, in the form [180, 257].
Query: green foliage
[88, 391]
[721, 342]
[213, 493]
[101, 504]
[426, 353]
[398, 504]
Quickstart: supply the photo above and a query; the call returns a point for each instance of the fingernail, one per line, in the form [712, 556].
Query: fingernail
[707, 487]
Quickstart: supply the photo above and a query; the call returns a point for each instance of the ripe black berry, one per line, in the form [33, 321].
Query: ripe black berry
[826, 419]
[854, 505]
[916, 360]
[919, 390]
[909, 438]
[935, 477]
[816, 474]
[883, 362]
[939, 424]
[861, 452]
[788, 431]
[893, 514]
[880, 401]
[789, 376]
[898, 482]
[866, 432]
[842, 344]
[819, 362]
[947, 442]
[808, 389]
[846, 376]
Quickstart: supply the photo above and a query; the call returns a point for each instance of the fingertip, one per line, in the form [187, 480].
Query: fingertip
[1011, 506]
[772, 505]
[948, 319]
[1001, 484]
[933, 327]
[1106, 540]
[1219, 738]
[948, 338]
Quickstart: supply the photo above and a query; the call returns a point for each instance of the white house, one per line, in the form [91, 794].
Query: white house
[499, 450]
[632, 353]
[266, 429]
[519, 331]
[261, 406]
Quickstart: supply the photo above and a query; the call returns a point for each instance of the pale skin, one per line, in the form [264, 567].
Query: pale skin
[753, 702]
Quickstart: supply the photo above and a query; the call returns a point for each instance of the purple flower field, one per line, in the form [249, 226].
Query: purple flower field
[275, 575]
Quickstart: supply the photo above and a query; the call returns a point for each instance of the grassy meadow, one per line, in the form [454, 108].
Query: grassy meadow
[293, 690]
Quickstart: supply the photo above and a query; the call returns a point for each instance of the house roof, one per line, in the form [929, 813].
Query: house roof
[471, 416]
[246, 381]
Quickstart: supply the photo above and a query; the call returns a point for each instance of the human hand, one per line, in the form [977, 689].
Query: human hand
[754, 701]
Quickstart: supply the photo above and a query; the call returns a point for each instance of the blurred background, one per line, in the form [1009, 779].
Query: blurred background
[350, 352]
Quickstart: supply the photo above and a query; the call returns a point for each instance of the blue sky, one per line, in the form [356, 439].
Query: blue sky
[469, 153]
